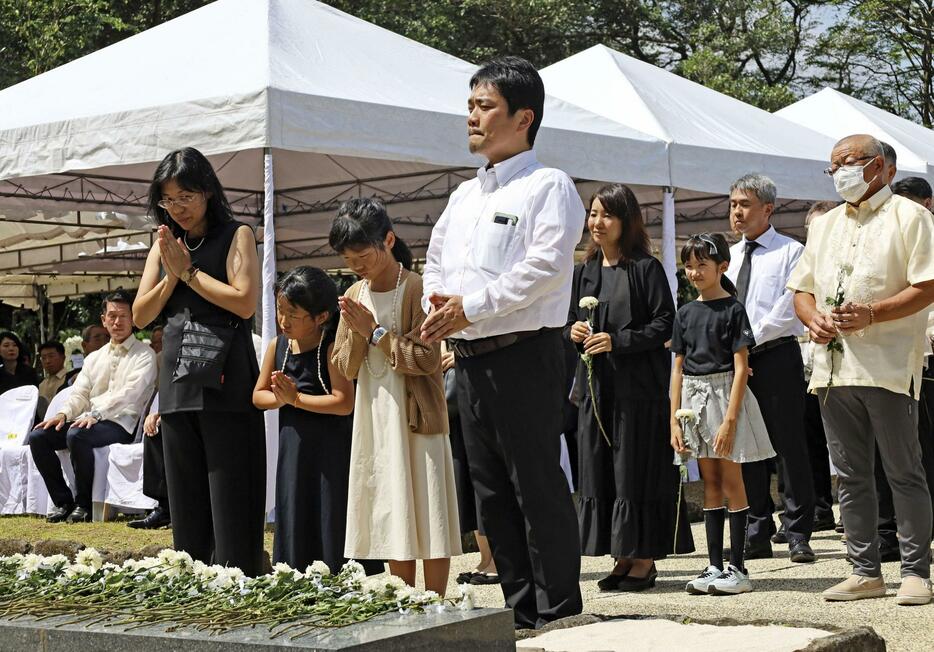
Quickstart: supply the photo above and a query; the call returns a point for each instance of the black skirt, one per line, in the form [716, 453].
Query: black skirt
[628, 492]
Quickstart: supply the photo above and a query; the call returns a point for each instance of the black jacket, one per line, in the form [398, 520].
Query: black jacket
[638, 318]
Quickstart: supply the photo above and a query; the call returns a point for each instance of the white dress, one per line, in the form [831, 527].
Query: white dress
[402, 502]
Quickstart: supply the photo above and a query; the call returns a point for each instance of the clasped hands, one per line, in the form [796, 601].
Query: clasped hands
[445, 319]
[842, 320]
[174, 254]
[593, 342]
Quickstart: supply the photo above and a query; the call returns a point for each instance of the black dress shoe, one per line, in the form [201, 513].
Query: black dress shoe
[633, 584]
[482, 579]
[611, 582]
[753, 551]
[781, 536]
[59, 514]
[156, 519]
[801, 553]
[79, 515]
[838, 528]
[824, 524]
[463, 578]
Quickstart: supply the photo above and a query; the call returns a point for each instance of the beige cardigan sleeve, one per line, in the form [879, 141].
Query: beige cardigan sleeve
[349, 347]
[407, 353]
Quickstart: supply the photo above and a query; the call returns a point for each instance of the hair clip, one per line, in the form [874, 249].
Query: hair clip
[712, 246]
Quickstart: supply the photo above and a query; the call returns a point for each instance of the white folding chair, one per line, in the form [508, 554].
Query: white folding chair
[37, 494]
[124, 489]
[17, 414]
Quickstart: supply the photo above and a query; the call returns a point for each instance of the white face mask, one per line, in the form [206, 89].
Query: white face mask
[849, 182]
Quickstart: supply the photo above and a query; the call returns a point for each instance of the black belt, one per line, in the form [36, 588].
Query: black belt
[771, 344]
[484, 345]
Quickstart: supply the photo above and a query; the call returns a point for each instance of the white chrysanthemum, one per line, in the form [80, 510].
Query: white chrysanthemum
[53, 560]
[588, 303]
[89, 557]
[282, 567]
[374, 585]
[686, 414]
[79, 570]
[30, 563]
[354, 571]
[318, 568]
[466, 601]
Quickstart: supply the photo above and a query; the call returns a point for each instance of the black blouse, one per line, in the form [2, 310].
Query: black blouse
[25, 375]
[637, 312]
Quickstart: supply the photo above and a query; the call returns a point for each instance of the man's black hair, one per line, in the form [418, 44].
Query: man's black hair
[117, 296]
[53, 344]
[519, 83]
[914, 186]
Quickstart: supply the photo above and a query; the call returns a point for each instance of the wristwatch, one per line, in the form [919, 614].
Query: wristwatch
[188, 274]
[377, 335]
[96, 415]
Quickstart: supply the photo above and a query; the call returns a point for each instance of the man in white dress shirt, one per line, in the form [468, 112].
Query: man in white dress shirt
[498, 283]
[760, 265]
[109, 394]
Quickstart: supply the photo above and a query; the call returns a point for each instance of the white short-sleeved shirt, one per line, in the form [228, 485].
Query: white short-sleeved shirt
[874, 252]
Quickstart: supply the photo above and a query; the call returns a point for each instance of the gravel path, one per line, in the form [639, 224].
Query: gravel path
[783, 592]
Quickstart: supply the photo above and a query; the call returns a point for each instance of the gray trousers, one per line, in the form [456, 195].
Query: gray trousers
[855, 420]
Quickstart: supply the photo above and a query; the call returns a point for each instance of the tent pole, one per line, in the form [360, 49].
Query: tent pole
[268, 320]
[668, 241]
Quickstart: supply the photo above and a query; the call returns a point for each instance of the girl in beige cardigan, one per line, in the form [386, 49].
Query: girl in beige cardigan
[402, 504]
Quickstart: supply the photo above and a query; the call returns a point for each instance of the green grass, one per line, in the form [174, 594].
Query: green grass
[111, 535]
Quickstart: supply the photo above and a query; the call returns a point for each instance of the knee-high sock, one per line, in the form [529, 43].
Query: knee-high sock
[738, 536]
[713, 523]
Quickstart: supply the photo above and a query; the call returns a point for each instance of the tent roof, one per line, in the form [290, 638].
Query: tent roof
[294, 75]
[838, 115]
[713, 139]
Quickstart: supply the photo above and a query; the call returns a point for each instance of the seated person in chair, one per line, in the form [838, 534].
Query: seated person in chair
[105, 405]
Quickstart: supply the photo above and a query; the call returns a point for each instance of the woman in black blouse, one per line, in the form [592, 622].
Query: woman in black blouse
[628, 487]
[16, 372]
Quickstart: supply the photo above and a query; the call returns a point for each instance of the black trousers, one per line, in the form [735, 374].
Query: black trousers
[778, 385]
[81, 443]
[819, 457]
[887, 526]
[510, 404]
[154, 485]
[215, 467]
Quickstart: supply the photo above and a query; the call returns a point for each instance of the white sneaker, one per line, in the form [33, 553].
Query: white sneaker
[698, 586]
[730, 582]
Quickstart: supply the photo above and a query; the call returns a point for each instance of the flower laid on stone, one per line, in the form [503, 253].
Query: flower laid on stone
[591, 303]
[175, 591]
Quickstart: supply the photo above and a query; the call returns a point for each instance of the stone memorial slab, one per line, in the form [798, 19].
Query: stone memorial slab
[451, 630]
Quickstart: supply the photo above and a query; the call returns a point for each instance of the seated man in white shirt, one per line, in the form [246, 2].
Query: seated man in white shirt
[108, 396]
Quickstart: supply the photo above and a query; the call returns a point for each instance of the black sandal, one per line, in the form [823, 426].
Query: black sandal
[481, 579]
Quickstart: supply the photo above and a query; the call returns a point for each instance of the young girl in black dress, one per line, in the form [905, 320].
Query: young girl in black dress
[713, 416]
[315, 403]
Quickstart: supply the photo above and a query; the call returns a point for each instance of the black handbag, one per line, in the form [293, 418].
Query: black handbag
[202, 354]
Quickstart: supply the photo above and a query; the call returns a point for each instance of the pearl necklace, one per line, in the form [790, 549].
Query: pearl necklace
[188, 246]
[395, 294]
[288, 352]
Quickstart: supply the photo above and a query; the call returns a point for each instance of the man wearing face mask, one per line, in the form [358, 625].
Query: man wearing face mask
[863, 287]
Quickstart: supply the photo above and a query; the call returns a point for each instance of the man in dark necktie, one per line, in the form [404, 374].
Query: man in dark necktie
[761, 264]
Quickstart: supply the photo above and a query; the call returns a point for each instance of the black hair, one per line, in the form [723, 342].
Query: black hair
[117, 296]
[364, 222]
[709, 246]
[192, 171]
[86, 333]
[10, 335]
[519, 83]
[620, 202]
[914, 186]
[310, 289]
[158, 327]
[52, 344]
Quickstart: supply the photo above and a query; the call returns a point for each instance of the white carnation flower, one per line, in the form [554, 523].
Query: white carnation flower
[354, 571]
[318, 568]
[89, 557]
[79, 570]
[282, 567]
[53, 560]
[466, 601]
[688, 415]
[374, 585]
[30, 563]
[588, 303]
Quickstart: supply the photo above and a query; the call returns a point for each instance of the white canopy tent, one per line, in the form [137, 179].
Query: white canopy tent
[287, 91]
[838, 115]
[711, 139]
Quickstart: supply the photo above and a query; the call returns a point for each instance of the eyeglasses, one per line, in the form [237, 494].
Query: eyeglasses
[834, 167]
[169, 204]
